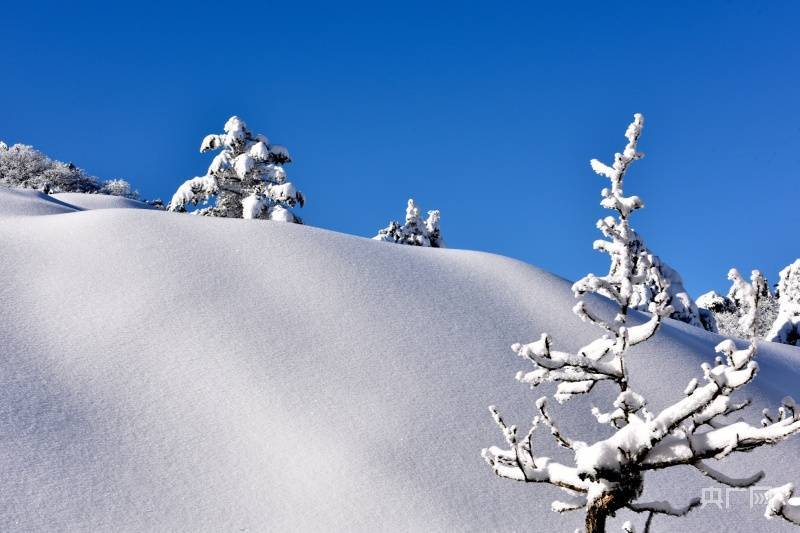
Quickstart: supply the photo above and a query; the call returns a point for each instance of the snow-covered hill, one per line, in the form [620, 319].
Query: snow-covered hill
[163, 372]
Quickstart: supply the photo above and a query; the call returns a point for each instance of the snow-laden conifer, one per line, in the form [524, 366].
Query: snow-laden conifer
[748, 311]
[247, 178]
[683, 307]
[415, 231]
[608, 475]
[786, 327]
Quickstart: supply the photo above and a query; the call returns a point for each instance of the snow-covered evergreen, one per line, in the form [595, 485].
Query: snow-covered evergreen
[608, 475]
[415, 231]
[711, 305]
[683, 307]
[786, 327]
[748, 311]
[247, 178]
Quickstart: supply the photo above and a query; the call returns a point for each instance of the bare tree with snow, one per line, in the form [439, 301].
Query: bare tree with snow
[608, 475]
[415, 231]
[246, 178]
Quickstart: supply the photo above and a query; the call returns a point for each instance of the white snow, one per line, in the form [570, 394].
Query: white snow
[99, 201]
[259, 151]
[252, 206]
[15, 202]
[242, 164]
[170, 373]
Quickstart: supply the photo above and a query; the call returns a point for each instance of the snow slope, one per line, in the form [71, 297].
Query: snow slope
[25, 202]
[99, 201]
[163, 372]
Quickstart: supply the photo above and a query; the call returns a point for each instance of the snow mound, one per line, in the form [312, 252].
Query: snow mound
[29, 202]
[16, 202]
[100, 201]
[174, 373]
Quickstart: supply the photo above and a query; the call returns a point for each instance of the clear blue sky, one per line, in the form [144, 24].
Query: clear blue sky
[487, 111]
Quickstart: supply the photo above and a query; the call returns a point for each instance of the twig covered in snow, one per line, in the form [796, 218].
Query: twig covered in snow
[608, 475]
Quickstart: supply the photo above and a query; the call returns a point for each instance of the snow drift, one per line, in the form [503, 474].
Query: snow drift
[167, 372]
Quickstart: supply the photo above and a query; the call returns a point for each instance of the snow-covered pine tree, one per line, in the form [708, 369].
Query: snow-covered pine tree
[743, 296]
[786, 327]
[711, 305]
[247, 178]
[683, 307]
[608, 475]
[747, 312]
[415, 231]
[766, 305]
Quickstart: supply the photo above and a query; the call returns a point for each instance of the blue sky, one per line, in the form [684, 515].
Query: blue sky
[489, 112]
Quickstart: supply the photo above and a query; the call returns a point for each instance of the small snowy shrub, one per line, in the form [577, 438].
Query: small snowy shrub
[118, 187]
[415, 231]
[246, 178]
[608, 475]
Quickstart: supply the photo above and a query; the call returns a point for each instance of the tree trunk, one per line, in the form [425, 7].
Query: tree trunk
[598, 512]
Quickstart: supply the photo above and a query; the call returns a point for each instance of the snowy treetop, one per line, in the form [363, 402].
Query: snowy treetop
[247, 177]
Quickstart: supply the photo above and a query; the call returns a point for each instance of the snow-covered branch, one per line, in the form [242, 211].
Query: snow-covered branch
[194, 191]
[541, 405]
[518, 463]
[782, 502]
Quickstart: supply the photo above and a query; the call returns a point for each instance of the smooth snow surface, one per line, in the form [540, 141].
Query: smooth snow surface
[99, 201]
[163, 372]
[27, 202]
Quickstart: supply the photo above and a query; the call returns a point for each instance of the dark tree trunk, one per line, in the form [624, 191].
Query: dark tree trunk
[599, 511]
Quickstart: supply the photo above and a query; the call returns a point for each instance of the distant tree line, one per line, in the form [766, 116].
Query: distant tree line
[23, 166]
